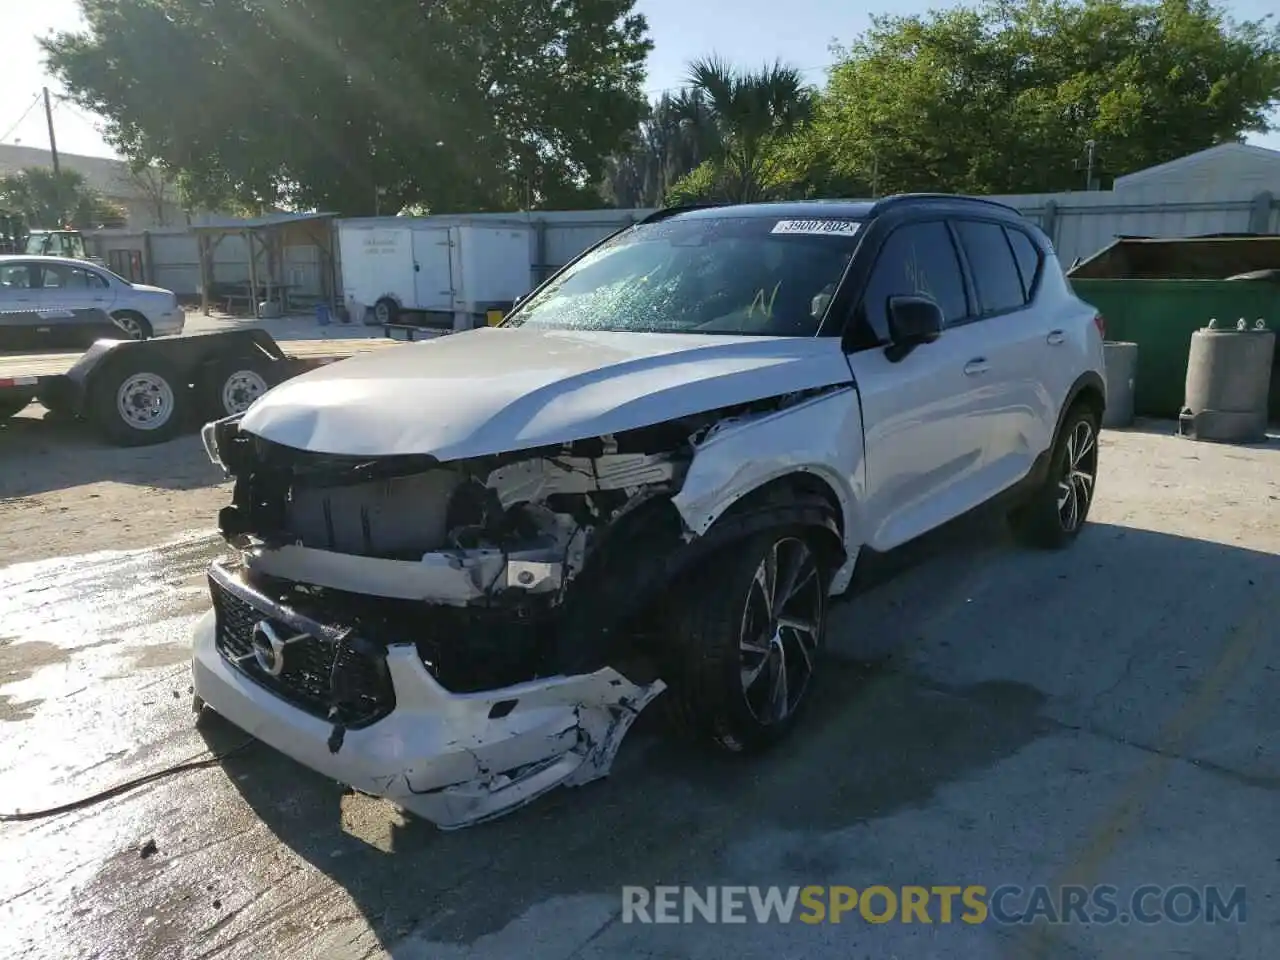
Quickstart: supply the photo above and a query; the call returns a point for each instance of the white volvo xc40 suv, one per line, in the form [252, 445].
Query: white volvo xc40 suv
[465, 565]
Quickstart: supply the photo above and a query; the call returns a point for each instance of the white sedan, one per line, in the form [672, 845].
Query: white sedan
[50, 283]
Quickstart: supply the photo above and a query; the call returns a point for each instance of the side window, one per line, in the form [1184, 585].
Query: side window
[15, 276]
[84, 280]
[1027, 254]
[995, 273]
[55, 277]
[918, 258]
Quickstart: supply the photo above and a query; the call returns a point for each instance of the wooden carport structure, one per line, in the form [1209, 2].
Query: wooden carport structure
[266, 239]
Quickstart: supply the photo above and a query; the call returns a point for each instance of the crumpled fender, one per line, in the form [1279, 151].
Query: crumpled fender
[820, 437]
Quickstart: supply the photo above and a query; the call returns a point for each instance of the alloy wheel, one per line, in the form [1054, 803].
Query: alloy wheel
[781, 629]
[1079, 473]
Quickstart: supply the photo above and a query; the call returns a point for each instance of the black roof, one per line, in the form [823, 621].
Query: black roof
[836, 208]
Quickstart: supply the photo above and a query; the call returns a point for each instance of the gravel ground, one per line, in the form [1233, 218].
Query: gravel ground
[1104, 715]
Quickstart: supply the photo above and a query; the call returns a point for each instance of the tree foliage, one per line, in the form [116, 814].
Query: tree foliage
[748, 118]
[451, 105]
[668, 144]
[1002, 98]
[49, 200]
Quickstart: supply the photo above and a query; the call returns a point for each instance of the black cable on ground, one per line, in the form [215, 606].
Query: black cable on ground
[190, 764]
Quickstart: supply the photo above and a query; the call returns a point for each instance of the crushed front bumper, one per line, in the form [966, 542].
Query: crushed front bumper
[454, 759]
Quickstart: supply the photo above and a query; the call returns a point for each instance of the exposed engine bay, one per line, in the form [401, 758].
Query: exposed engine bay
[501, 569]
[462, 636]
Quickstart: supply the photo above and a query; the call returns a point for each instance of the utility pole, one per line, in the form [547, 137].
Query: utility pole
[53, 140]
[1091, 159]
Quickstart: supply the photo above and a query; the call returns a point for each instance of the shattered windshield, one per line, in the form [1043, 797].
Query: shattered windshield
[758, 276]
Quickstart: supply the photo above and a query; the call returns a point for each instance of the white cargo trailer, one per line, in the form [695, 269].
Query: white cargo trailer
[438, 273]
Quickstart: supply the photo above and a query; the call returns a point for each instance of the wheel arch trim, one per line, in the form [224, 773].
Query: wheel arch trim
[1089, 381]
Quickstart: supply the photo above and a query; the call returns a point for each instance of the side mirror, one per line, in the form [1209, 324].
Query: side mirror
[913, 320]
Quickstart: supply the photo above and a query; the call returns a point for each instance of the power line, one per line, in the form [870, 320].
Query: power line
[31, 106]
[63, 102]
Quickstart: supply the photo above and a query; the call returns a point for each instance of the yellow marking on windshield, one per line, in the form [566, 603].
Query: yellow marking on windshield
[766, 307]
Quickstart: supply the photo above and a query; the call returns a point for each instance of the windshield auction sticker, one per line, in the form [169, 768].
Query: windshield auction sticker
[826, 228]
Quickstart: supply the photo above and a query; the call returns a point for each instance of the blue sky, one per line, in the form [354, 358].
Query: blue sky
[745, 32]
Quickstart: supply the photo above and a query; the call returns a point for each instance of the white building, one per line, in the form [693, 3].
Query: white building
[145, 198]
[1236, 170]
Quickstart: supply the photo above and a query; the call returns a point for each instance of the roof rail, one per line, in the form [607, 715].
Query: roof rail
[666, 212]
[901, 198]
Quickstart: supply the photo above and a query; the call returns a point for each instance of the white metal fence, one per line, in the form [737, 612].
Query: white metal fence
[1079, 224]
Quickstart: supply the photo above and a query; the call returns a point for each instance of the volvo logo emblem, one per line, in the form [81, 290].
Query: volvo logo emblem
[268, 648]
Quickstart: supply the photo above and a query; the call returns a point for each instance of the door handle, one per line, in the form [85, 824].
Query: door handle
[1055, 337]
[976, 366]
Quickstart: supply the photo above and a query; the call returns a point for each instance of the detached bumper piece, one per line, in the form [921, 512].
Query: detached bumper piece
[372, 715]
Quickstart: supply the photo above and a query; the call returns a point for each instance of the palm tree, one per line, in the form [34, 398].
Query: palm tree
[665, 148]
[50, 200]
[744, 117]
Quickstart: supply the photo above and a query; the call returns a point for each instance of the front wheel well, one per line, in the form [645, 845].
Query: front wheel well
[794, 489]
[649, 553]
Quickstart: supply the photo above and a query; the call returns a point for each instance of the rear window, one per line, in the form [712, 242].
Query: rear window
[1028, 257]
[991, 261]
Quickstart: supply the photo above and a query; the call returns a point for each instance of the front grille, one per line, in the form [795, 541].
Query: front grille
[328, 678]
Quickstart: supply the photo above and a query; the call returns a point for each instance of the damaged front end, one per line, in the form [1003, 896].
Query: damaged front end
[460, 636]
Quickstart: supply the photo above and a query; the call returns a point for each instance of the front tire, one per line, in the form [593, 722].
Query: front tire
[749, 633]
[1056, 512]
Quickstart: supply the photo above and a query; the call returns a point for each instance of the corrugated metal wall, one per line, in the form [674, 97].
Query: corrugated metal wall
[175, 263]
[1080, 224]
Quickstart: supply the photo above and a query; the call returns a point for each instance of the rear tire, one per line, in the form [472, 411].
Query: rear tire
[231, 386]
[1056, 512]
[749, 632]
[134, 325]
[137, 401]
[386, 311]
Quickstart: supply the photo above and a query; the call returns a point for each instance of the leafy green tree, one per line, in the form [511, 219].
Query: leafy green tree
[49, 200]
[749, 117]
[1002, 98]
[671, 141]
[451, 105]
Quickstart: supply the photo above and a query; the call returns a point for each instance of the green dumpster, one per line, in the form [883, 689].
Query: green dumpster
[1157, 292]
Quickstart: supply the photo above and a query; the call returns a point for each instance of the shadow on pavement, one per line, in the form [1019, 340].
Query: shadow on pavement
[877, 739]
[45, 453]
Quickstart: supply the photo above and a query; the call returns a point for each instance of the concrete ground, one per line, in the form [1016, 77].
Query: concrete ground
[990, 716]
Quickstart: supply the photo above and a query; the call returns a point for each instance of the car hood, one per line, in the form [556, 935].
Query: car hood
[495, 390]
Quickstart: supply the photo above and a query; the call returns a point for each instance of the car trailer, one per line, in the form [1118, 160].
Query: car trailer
[141, 392]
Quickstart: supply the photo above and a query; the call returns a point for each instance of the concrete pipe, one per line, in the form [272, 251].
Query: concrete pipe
[1122, 367]
[1228, 380]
